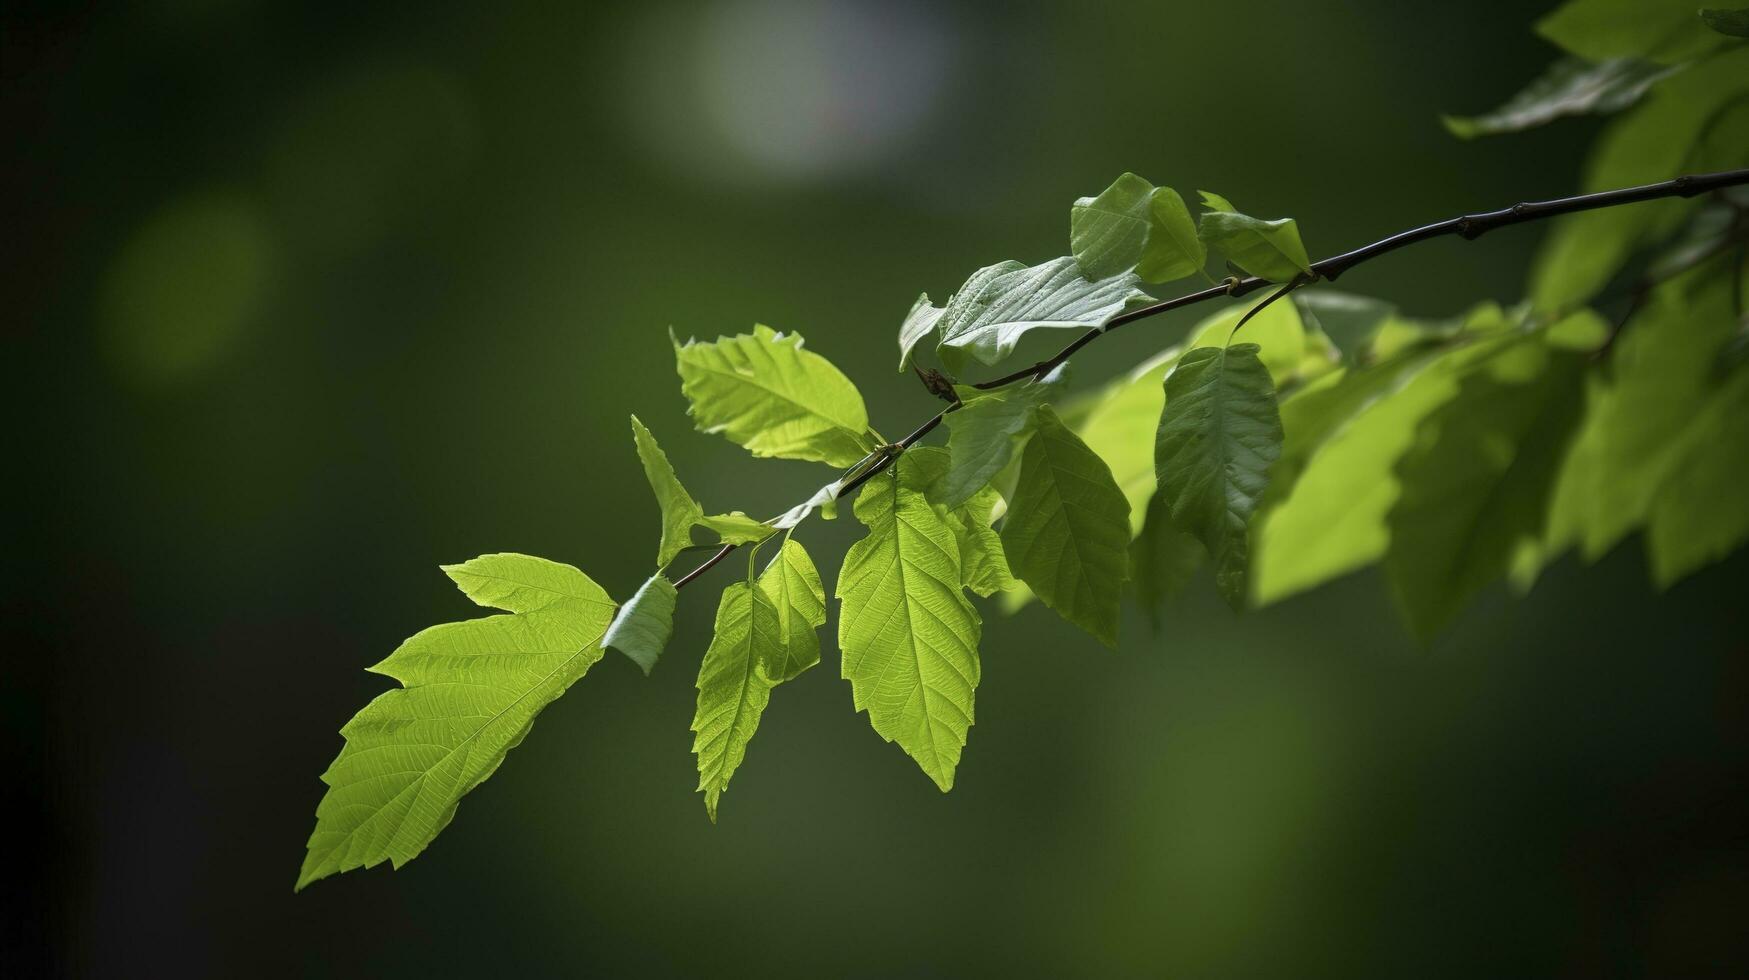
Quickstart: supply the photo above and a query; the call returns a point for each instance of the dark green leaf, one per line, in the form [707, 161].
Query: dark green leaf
[1570, 87]
[1218, 436]
[984, 433]
[1163, 559]
[1067, 532]
[1734, 23]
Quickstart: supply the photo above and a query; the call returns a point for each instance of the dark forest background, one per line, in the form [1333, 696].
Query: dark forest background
[307, 299]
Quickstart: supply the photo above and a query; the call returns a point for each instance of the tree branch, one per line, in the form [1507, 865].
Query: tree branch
[1467, 226]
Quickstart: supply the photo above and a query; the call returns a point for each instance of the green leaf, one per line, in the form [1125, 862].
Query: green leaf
[919, 324]
[1652, 142]
[983, 559]
[679, 511]
[1476, 480]
[1002, 303]
[644, 624]
[1133, 224]
[737, 528]
[1570, 87]
[794, 586]
[1108, 233]
[1174, 250]
[1732, 23]
[1163, 559]
[1332, 520]
[1067, 532]
[1701, 511]
[1119, 426]
[764, 392]
[1270, 249]
[984, 434]
[1666, 31]
[1215, 202]
[908, 634]
[1349, 320]
[1219, 434]
[470, 693]
[734, 685]
[1663, 372]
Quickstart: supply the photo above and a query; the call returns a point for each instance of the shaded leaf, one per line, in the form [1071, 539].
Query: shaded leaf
[1067, 531]
[984, 433]
[1218, 436]
[1666, 31]
[1570, 87]
[1732, 23]
[1163, 559]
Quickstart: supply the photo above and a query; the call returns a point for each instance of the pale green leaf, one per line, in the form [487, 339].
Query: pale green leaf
[1570, 87]
[919, 324]
[1270, 249]
[1218, 436]
[470, 692]
[765, 392]
[1119, 426]
[679, 511]
[733, 685]
[909, 636]
[644, 624]
[984, 434]
[1002, 303]
[1174, 251]
[1215, 202]
[983, 559]
[1476, 479]
[794, 587]
[1108, 233]
[1067, 531]
[1651, 142]
[737, 528]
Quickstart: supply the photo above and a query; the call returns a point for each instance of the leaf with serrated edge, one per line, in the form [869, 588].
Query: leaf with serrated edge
[679, 510]
[908, 634]
[1002, 303]
[734, 685]
[470, 692]
[765, 392]
[794, 587]
[983, 434]
[1067, 532]
[645, 623]
[1219, 434]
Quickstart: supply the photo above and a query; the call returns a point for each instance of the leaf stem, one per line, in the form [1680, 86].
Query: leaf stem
[1467, 226]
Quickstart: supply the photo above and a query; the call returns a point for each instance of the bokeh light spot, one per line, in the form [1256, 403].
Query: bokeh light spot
[185, 287]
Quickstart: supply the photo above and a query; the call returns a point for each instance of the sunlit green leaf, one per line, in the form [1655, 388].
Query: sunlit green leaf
[1218, 436]
[737, 528]
[1270, 249]
[764, 392]
[1067, 532]
[734, 685]
[794, 586]
[1174, 250]
[908, 635]
[1570, 87]
[679, 511]
[1108, 233]
[644, 624]
[470, 692]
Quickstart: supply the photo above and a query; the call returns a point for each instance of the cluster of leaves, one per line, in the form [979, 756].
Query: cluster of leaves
[1282, 444]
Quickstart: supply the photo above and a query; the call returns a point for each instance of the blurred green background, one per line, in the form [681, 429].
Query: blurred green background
[307, 299]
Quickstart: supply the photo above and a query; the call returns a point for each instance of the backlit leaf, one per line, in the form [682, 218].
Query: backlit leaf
[470, 692]
[679, 511]
[733, 685]
[795, 590]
